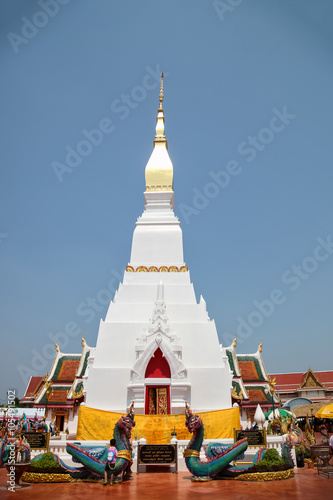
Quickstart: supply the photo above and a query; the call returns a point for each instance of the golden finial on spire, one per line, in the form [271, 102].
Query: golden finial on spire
[161, 90]
[234, 342]
[56, 346]
[260, 346]
[83, 342]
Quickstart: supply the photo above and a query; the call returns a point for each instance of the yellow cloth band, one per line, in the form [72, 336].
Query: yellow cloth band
[156, 429]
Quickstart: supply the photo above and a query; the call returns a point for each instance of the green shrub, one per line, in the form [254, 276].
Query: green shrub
[271, 457]
[46, 462]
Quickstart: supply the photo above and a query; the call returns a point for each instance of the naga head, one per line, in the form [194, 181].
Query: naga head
[127, 422]
[193, 422]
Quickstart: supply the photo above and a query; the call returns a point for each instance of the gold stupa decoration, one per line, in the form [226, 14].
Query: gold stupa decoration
[159, 169]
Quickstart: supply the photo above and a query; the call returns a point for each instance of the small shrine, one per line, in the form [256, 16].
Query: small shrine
[251, 385]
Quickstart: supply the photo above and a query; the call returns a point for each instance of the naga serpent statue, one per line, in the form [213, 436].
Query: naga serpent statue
[17, 450]
[94, 458]
[24, 425]
[219, 455]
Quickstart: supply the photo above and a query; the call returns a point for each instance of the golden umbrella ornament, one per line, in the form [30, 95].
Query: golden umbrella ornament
[325, 412]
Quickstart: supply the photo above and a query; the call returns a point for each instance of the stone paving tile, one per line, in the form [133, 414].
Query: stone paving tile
[306, 485]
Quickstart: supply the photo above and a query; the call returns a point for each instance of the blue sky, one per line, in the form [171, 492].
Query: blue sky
[248, 101]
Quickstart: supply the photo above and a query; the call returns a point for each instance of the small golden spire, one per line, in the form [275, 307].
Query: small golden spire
[83, 342]
[159, 169]
[260, 346]
[56, 346]
[160, 136]
[234, 342]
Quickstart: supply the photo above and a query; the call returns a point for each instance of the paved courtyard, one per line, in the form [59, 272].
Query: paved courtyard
[306, 485]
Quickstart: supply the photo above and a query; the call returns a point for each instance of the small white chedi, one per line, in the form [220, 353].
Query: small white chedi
[259, 417]
[157, 346]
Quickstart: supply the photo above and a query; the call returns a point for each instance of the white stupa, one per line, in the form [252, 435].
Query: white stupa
[157, 345]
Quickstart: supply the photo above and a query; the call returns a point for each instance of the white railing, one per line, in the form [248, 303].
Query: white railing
[58, 446]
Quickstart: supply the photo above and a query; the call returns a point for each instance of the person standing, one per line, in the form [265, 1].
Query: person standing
[110, 464]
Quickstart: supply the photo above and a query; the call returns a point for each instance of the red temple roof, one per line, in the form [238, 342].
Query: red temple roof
[33, 385]
[292, 381]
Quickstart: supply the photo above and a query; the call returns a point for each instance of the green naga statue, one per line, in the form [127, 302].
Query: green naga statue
[220, 455]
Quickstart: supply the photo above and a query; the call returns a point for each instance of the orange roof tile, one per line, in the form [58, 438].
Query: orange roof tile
[68, 370]
[256, 395]
[58, 396]
[248, 370]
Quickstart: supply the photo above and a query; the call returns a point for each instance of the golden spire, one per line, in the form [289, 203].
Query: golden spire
[234, 342]
[83, 342]
[160, 136]
[159, 169]
[56, 346]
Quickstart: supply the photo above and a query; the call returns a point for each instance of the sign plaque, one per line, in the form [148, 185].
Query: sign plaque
[254, 438]
[157, 454]
[37, 440]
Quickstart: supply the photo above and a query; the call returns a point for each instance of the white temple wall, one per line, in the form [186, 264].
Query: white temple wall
[175, 293]
[157, 246]
[116, 344]
[107, 389]
[141, 313]
[210, 389]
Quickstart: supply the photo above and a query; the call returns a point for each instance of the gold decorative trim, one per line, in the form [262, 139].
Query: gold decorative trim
[267, 476]
[310, 380]
[125, 454]
[155, 269]
[60, 412]
[198, 479]
[37, 477]
[191, 453]
[236, 395]
[78, 395]
[159, 187]
[142, 269]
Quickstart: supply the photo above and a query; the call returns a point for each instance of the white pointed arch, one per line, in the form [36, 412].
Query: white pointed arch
[177, 368]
